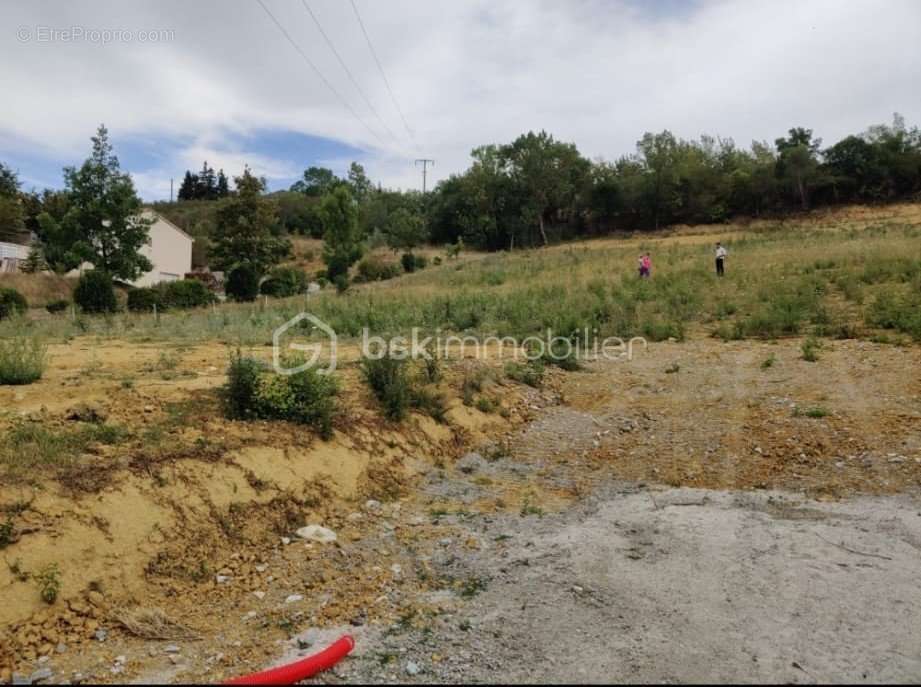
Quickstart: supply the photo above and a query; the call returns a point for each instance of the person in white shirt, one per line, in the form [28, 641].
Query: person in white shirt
[721, 254]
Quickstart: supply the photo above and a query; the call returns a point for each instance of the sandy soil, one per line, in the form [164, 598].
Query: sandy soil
[673, 518]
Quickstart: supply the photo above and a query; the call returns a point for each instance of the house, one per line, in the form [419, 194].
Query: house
[169, 250]
[11, 256]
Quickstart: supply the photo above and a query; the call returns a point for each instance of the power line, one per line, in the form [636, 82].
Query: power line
[316, 71]
[345, 68]
[380, 68]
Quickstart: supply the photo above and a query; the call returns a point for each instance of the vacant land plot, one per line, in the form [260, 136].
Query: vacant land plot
[739, 501]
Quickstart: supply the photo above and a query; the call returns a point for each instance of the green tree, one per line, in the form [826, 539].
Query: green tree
[342, 238]
[223, 187]
[798, 163]
[317, 181]
[548, 174]
[12, 218]
[405, 229]
[104, 214]
[246, 229]
[359, 182]
[187, 188]
[659, 156]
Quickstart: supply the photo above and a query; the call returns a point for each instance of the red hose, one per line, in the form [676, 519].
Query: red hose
[300, 670]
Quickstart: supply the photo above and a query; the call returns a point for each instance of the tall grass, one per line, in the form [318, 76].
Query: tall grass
[22, 360]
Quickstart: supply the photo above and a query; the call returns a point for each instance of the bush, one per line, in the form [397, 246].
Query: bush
[412, 262]
[389, 381]
[242, 284]
[22, 361]
[531, 373]
[337, 266]
[341, 282]
[12, 303]
[185, 294]
[144, 300]
[95, 293]
[375, 269]
[55, 307]
[307, 398]
[284, 282]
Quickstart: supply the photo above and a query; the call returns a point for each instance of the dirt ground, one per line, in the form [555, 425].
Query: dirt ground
[692, 515]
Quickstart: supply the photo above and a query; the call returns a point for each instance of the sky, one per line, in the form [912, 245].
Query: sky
[179, 82]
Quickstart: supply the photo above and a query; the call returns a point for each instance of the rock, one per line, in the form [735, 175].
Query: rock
[372, 505]
[85, 412]
[61, 647]
[175, 659]
[101, 635]
[259, 595]
[20, 679]
[171, 649]
[261, 568]
[412, 668]
[317, 534]
[285, 541]
[294, 598]
[222, 579]
[97, 599]
[470, 463]
[355, 517]
[41, 675]
[121, 660]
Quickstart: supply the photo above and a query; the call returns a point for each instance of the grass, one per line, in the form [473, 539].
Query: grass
[813, 412]
[22, 360]
[810, 349]
[769, 362]
[30, 451]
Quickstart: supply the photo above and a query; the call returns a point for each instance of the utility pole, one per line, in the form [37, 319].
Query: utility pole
[171, 190]
[425, 167]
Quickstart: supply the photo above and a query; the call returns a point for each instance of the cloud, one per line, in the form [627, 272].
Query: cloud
[465, 73]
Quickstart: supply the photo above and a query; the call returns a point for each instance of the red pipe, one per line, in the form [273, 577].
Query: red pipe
[300, 670]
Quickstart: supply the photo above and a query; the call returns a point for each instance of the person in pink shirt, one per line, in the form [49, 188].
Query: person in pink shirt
[645, 266]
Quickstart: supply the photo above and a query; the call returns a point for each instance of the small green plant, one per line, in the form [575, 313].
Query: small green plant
[7, 534]
[531, 373]
[57, 306]
[813, 412]
[389, 381]
[12, 303]
[486, 405]
[672, 369]
[472, 586]
[18, 571]
[95, 294]
[769, 362]
[810, 349]
[48, 580]
[22, 361]
[528, 508]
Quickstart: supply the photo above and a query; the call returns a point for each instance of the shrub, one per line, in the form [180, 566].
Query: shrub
[242, 284]
[284, 282]
[55, 307]
[241, 393]
[341, 282]
[389, 381]
[531, 373]
[95, 293]
[810, 349]
[144, 300]
[373, 268]
[185, 294]
[12, 303]
[307, 398]
[48, 580]
[22, 361]
[412, 262]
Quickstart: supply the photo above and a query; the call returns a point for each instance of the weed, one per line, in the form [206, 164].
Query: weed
[48, 580]
[769, 362]
[389, 381]
[472, 586]
[531, 373]
[810, 349]
[814, 412]
[22, 361]
[528, 508]
[486, 405]
[17, 571]
[672, 369]
[7, 534]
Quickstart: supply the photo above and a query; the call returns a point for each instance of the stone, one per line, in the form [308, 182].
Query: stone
[294, 598]
[41, 675]
[61, 647]
[171, 649]
[317, 533]
[259, 595]
[412, 668]
[261, 568]
[222, 579]
[20, 679]
[470, 463]
[96, 599]
[101, 635]
[372, 505]
[285, 541]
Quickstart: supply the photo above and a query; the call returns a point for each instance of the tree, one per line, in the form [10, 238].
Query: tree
[359, 182]
[12, 224]
[547, 173]
[105, 214]
[246, 228]
[223, 187]
[188, 187]
[206, 183]
[342, 239]
[658, 154]
[35, 261]
[797, 163]
[405, 229]
[317, 181]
